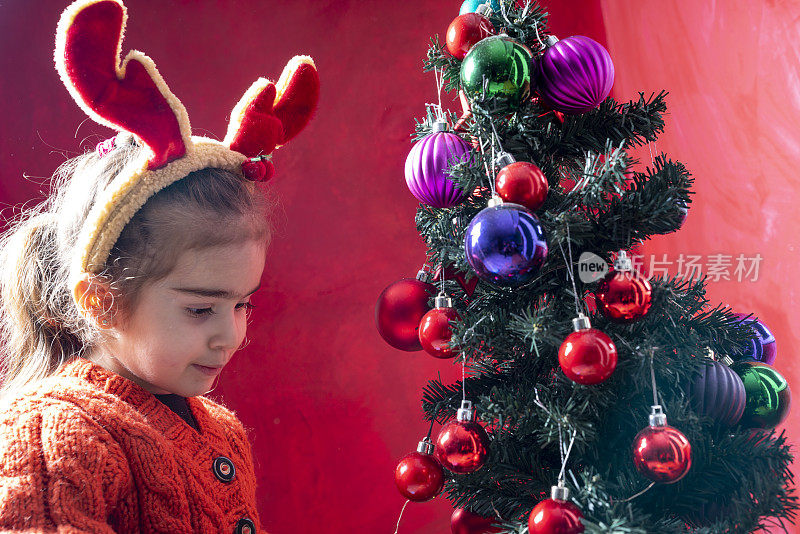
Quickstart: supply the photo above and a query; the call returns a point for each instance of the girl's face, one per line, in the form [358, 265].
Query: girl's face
[196, 316]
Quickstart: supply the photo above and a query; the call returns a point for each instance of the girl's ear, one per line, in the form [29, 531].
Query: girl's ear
[95, 300]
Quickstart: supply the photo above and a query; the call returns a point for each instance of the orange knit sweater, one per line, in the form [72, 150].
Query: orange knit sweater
[90, 451]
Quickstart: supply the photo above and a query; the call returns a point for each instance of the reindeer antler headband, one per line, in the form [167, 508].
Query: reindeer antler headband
[132, 96]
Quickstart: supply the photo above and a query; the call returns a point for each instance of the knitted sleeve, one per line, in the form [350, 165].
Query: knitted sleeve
[60, 471]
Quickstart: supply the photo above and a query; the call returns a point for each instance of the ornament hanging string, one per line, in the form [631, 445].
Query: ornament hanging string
[485, 165]
[645, 490]
[439, 75]
[496, 139]
[569, 270]
[443, 275]
[651, 145]
[536, 29]
[564, 454]
[653, 378]
[463, 379]
[655, 401]
[493, 177]
[397, 528]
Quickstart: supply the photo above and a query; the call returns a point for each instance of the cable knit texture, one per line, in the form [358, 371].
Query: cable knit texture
[87, 450]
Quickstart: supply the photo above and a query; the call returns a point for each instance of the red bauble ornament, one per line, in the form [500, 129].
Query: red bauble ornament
[556, 515]
[465, 522]
[522, 183]
[418, 475]
[462, 445]
[465, 31]
[624, 295]
[434, 329]
[661, 453]
[400, 308]
[587, 356]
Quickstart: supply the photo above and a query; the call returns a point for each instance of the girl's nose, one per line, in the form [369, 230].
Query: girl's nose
[229, 333]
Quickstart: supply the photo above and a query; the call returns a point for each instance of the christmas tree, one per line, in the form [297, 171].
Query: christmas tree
[593, 399]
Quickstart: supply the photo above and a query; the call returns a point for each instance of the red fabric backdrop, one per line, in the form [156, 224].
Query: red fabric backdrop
[330, 405]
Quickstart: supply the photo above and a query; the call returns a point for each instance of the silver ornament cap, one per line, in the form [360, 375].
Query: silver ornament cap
[439, 126]
[495, 201]
[559, 493]
[424, 276]
[485, 10]
[443, 301]
[425, 446]
[581, 322]
[466, 412]
[551, 40]
[504, 159]
[623, 262]
[657, 416]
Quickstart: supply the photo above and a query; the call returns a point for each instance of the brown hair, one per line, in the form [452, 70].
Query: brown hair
[40, 325]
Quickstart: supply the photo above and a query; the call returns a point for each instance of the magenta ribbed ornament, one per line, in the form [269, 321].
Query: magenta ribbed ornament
[427, 167]
[575, 75]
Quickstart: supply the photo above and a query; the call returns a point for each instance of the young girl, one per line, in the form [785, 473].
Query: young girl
[124, 295]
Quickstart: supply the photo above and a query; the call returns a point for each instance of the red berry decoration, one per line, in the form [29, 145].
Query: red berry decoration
[587, 356]
[624, 295]
[462, 445]
[521, 182]
[465, 522]
[556, 515]
[434, 328]
[418, 475]
[254, 169]
[465, 31]
[399, 310]
[660, 452]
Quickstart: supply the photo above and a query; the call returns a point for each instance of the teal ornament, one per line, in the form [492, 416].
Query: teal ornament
[768, 395]
[471, 6]
[497, 69]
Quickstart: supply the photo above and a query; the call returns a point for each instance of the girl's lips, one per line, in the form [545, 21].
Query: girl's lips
[208, 370]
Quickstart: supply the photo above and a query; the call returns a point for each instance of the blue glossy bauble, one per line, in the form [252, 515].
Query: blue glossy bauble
[761, 348]
[469, 6]
[505, 244]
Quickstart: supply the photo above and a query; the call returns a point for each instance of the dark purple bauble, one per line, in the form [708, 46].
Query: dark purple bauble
[505, 244]
[719, 393]
[427, 169]
[763, 347]
[575, 75]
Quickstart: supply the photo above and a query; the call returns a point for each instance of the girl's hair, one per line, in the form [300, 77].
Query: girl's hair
[40, 325]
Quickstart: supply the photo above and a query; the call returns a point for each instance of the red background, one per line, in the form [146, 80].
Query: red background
[330, 405]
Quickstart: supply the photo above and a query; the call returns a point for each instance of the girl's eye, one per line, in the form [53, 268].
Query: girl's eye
[200, 312]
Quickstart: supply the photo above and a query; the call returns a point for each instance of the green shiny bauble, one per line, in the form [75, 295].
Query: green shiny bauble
[497, 68]
[768, 395]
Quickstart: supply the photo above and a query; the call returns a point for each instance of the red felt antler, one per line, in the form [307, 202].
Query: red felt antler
[131, 96]
[269, 115]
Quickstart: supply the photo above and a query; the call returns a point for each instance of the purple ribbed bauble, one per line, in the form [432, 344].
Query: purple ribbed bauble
[763, 347]
[427, 167]
[575, 75]
[719, 393]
